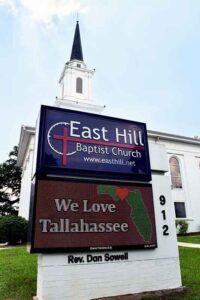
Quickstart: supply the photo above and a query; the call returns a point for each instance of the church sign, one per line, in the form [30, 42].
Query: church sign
[84, 144]
[81, 216]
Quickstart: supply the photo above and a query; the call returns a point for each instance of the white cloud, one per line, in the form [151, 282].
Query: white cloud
[44, 11]
[9, 4]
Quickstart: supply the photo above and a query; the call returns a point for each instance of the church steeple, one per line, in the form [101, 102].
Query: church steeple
[76, 81]
[77, 52]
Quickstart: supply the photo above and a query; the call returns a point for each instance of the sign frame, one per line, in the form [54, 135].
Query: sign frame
[32, 219]
[40, 168]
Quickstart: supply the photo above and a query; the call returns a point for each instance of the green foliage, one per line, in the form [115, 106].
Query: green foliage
[182, 226]
[190, 272]
[194, 239]
[18, 274]
[13, 229]
[10, 181]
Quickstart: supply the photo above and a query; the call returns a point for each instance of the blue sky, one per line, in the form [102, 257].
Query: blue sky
[146, 54]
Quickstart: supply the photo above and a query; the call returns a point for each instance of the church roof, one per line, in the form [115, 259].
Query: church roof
[76, 47]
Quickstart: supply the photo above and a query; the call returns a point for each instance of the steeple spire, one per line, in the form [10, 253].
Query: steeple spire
[77, 48]
[76, 81]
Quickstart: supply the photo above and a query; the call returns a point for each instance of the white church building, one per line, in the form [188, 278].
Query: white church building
[183, 153]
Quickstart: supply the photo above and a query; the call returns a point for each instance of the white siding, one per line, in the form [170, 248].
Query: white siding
[189, 157]
[26, 181]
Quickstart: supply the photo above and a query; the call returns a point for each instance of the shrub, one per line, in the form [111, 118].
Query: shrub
[182, 227]
[13, 229]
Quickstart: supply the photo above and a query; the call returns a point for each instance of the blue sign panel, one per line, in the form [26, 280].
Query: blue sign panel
[84, 144]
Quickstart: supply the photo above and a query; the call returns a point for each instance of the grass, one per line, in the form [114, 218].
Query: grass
[195, 239]
[190, 272]
[18, 274]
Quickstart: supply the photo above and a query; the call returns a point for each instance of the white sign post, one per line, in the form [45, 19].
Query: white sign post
[84, 276]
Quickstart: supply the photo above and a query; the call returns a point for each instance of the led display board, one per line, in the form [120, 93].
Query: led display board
[91, 216]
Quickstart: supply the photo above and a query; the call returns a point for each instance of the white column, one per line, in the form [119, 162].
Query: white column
[26, 187]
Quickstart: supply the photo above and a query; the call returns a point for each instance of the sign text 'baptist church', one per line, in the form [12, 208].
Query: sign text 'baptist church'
[86, 144]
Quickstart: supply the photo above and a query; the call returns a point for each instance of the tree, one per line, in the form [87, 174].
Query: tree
[10, 183]
[13, 229]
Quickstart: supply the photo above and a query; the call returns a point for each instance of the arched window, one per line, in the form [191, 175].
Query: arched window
[79, 85]
[175, 173]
